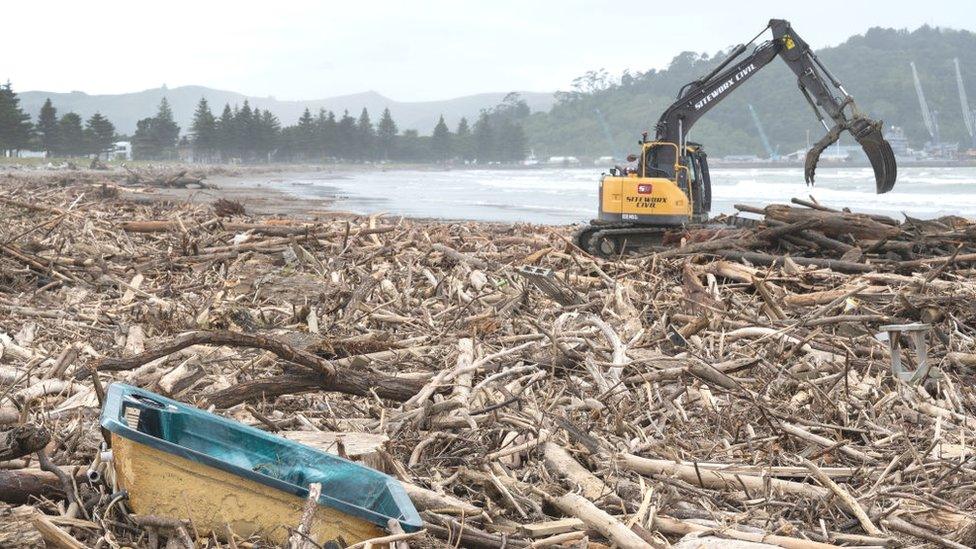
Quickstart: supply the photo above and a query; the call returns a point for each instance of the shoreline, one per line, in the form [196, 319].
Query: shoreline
[303, 191]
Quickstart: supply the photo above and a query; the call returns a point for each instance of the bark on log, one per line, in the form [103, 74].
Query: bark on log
[577, 506]
[834, 224]
[680, 528]
[355, 383]
[716, 480]
[757, 258]
[16, 529]
[21, 440]
[9, 414]
[20, 485]
[560, 463]
[231, 339]
[429, 500]
[53, 534]
[466, 535]
[815, 298]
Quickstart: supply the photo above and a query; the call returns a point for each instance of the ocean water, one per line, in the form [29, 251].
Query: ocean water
[560, 196]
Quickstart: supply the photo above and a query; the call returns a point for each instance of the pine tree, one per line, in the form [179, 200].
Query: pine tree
[327, 134]
[269, 133]
[71, 136]
[386, 132]
[167, 129]
[365, 136]
[204, 132]
[440, 141]
[484, 139]
[156, 137]
[226, 143]
[411, 147]
[305, 134]
[462, 141]
[346, 141]
[15, 124]
[99, 134]
[47, 128]
[244, 126]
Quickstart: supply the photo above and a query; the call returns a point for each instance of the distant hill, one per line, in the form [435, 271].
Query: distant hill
[874, 68]
[127, 108]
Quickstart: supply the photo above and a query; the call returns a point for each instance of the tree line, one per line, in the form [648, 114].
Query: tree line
[251, 135]
[246, 134]
[67, 135]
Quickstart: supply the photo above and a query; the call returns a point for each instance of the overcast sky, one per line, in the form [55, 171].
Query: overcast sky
[409, 51]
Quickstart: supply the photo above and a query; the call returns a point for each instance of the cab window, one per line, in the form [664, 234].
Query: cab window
[692, 169]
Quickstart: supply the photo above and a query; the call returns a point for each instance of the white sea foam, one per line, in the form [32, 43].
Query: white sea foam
[570, 195]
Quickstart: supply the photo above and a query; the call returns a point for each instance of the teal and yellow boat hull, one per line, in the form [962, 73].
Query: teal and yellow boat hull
[178, 461]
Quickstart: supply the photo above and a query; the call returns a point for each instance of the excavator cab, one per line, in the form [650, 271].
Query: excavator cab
[663, 192]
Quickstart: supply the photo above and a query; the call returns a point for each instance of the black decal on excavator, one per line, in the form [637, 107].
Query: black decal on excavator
[646, 201]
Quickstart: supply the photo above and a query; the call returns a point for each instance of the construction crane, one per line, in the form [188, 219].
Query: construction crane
[929, 117]
[606, 132]
[773, 155]
[967, 114]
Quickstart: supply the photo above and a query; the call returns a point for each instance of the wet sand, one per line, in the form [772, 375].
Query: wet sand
[259, 193]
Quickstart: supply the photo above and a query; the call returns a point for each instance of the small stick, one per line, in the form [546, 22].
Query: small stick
[262, 418]
[848, 500]
[298, 539]
[392, 538]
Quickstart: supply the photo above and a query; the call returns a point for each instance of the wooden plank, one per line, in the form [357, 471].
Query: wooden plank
[537, 530]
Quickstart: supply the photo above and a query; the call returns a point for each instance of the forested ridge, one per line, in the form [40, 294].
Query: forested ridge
[874, 68]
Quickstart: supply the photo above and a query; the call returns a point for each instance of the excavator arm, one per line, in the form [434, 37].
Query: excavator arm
[825, 94]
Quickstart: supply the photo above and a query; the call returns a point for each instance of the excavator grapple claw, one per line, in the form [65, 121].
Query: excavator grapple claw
[867, 133]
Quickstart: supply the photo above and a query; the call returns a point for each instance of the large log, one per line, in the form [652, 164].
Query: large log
[230, 339]
[715, 479]
[20, 440]
[21, 485]
[758, 258]
[560, 463]
[359, 383]
[834, 224]
[577, 506]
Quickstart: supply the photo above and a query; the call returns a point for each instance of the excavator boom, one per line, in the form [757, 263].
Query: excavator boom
[831, 103]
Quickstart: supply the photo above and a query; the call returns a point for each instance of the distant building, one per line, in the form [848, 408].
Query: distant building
[746, 158]
[121, 150]
[31, 154]
[564, 160]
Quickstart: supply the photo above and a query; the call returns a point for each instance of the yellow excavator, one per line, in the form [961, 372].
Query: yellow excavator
[670, 185]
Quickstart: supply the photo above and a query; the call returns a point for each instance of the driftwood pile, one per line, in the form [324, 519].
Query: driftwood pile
[165, 178]
[844, 241]
[732, 391]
